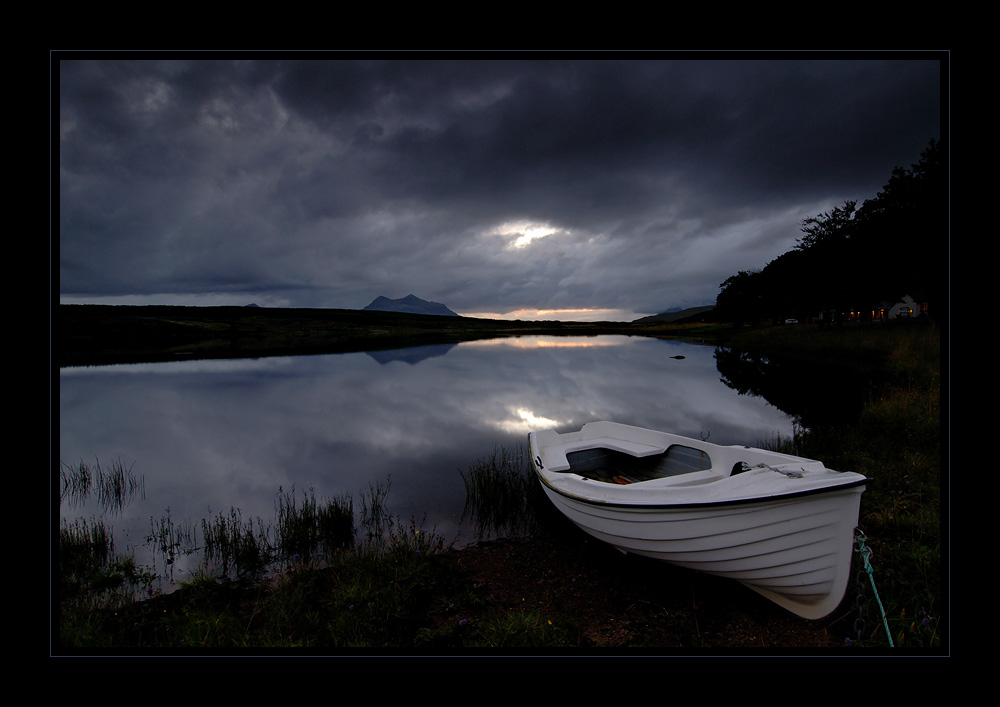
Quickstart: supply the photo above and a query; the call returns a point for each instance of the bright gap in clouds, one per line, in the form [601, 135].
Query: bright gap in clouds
[525, 232]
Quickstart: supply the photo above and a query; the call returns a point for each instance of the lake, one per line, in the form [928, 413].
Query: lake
[209, 436]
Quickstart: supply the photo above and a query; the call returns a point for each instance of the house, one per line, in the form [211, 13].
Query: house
[906, 308]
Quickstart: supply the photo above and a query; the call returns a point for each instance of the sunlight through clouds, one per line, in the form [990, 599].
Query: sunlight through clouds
[571, 190]
[523, 232]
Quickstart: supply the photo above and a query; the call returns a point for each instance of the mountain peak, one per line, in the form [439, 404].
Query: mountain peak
[410, 304]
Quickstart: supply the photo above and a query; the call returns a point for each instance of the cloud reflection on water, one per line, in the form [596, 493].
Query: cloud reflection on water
[211, 435]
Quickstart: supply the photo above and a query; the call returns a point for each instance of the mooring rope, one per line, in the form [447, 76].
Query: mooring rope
[865, 554]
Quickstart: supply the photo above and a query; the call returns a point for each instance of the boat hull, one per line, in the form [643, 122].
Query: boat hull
[793, 547]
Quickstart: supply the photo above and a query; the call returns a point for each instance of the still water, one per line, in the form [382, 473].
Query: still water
[209, 436]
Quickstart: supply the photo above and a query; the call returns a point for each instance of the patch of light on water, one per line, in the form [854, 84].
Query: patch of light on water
[546, 342]
[523, 421]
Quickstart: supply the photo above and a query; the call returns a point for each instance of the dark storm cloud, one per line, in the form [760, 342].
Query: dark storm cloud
[326, 183]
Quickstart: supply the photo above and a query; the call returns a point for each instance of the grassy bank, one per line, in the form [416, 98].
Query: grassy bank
[899, 442]
[394, 585]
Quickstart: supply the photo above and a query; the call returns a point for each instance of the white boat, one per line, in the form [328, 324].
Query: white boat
[781, 525]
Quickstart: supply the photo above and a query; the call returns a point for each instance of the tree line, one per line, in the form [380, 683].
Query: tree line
[855, 261]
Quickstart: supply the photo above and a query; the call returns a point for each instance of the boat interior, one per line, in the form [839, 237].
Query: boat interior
[615, 467]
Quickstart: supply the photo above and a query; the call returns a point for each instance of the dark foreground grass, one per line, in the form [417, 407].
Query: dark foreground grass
[897, 443]
[394, 588]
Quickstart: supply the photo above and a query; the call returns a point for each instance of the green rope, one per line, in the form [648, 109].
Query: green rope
[865, 554]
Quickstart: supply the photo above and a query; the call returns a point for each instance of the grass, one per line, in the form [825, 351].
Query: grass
[309, 579]
[897, 443]
[299, 580]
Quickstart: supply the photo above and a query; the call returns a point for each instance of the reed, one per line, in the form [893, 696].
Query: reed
[232, 545]
[169, 541]
[499, 492]
[375, 516]
[92, 573]
[84, 545]
[307, 528]
[114, 486]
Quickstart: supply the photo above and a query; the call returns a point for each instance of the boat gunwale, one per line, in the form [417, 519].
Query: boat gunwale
[591, 501]
[601, 439]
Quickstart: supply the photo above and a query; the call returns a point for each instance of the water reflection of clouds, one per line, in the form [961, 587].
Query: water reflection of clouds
[522, 421]
[214, 435]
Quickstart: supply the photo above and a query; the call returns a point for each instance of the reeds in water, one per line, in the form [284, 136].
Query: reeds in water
[375, 517]
[83, 544]
[304, 530]
[114, 486]
[233, 545]
[499, 491]
[91, 571]
[309, 528]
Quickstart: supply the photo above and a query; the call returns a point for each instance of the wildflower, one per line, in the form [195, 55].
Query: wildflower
[463, 622]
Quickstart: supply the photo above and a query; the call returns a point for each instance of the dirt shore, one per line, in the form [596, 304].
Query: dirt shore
[627, 602]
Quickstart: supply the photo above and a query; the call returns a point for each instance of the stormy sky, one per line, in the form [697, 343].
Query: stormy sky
[607, 187]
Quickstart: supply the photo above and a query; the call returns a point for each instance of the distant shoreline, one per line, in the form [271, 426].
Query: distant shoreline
[87, 335]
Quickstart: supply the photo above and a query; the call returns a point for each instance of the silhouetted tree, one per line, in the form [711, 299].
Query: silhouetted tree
[740, 297]
[906, 225]
[852, 257]
[828, 227]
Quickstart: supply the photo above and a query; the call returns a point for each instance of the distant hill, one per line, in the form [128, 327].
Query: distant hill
[675, 316]
[410, 304]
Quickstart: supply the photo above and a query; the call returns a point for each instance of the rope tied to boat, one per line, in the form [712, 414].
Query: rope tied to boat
[861, 602]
